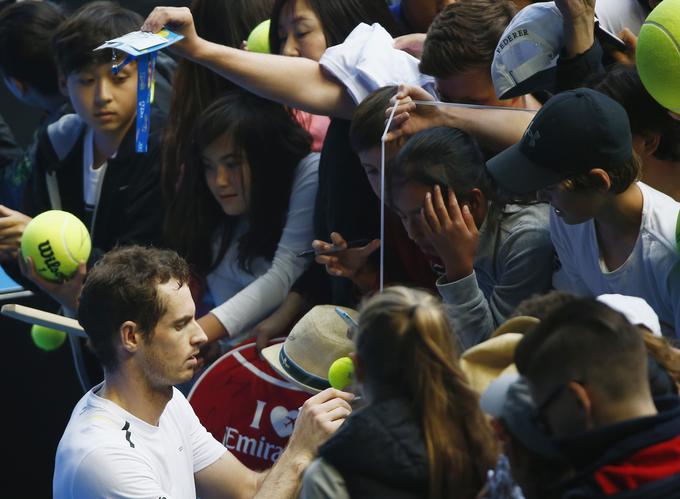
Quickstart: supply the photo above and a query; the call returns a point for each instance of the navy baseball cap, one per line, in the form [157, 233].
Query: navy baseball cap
[574, 132]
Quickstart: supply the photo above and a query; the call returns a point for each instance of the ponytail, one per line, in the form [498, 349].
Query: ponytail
[405, 341]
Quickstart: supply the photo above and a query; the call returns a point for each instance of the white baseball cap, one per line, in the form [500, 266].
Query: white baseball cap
[637, 311]
[526, 56]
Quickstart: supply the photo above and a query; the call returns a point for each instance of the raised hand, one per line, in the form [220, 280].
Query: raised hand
[410, 118]
[180, 20]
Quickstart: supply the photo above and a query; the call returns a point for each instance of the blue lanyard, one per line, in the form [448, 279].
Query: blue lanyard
[146, 65]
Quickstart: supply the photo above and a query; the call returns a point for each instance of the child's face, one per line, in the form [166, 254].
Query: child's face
[371, 161]
[106, 102]
[227, 174]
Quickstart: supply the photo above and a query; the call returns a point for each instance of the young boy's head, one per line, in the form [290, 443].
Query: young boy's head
[586, 366]
[366, 131]
[459, 50]
[26, 60]
[575, 153]
[106, 102]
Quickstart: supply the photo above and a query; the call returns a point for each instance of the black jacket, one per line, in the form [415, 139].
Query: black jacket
[130, 208]
[380, 452]
[636, 459]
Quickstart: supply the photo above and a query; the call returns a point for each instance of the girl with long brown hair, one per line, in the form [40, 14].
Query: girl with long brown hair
[421, 433]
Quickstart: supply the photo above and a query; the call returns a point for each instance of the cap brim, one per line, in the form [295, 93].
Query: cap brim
[516, 173]
[541, 80]
[494, 396]
[271, 355]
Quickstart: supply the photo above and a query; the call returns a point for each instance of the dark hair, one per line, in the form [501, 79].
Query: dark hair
[337, 18]
[226, 22]
[368, 120]
[273, 144]
[443, 156]
[26, 30]
[586, 340]
[88, 27]
[622, 83]
[621, 175]
[122, 286]
[405, 345]
[464, 36]
[540, 306]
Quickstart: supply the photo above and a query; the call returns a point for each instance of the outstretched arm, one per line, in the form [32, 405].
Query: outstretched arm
[495, 129]
[294, 81]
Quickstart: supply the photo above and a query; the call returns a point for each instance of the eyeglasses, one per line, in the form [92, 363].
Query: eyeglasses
[540, 409]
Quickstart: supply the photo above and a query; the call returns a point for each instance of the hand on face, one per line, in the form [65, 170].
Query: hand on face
[452, 232]
[319, 417]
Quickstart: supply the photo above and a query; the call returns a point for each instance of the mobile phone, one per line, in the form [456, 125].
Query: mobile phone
[42, 318]
[346, 317]
[350, 244]
[608, 38]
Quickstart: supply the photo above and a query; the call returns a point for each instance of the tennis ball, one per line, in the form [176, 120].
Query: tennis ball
[341, 373]
[658, 54]
[258, 39]
[46, 338]
[57, 241]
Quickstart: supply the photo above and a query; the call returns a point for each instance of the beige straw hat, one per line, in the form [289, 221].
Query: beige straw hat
[314, 343]
[495, 357]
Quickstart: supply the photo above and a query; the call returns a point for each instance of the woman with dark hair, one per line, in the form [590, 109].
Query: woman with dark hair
[245, 207]
[490, 255]
[421, 432]
[226, 22]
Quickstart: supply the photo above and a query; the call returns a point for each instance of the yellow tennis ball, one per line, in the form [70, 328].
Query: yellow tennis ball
[258, 39]
[57, 241]
[341, 373]
[658, 54]
[46, 338]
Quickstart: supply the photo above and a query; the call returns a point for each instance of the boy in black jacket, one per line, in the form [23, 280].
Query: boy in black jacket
[86, 162]
[587, 372]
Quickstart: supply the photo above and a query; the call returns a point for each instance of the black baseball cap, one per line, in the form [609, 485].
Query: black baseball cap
[574, 132]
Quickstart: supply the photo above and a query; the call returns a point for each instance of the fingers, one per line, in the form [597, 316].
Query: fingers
[161, 16]
[328, 394]
[338, 240]
[339, 413]
[261, 342]
[370, 247]
[4, 211]
[81, 272]
[469, 220]
[431, 218]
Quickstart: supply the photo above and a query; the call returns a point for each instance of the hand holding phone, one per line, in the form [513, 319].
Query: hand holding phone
[357, 243]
